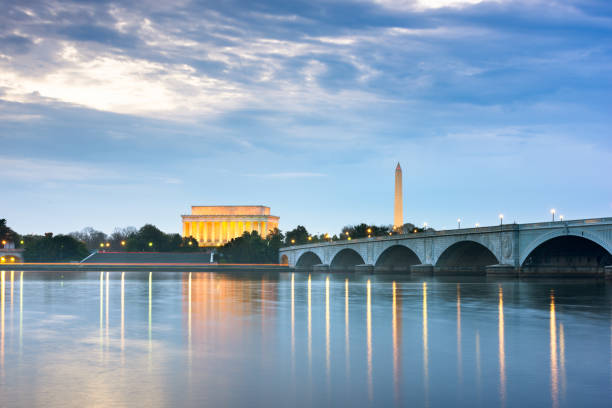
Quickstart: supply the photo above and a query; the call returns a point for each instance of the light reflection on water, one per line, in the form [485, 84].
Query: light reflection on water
[192, 339]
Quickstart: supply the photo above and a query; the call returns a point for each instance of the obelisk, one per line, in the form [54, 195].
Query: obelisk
[398, 213]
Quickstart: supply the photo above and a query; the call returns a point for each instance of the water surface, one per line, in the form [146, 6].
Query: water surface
[278, 339]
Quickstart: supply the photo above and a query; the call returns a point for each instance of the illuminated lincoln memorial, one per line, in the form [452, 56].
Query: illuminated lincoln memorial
[216, 225]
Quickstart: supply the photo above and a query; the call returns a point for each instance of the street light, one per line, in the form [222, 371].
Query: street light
[310, 238]
[101, 244]
[561, 217]
[293, 241]
[477, 225]
[425, 225]
[553, 211]
[150, 244]
[369, 230]
[123, 243]
[458, 223]
[501, 219]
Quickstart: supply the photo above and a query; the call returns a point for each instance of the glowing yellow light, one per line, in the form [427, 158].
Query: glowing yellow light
[21, 242]
[310, 238]
[369, 236]
[122, 243]
[390, 233]
[501, 216]
[561, 217]
[326, 236]
[107, 244]
[346, 232]
[349, 238]
[150, 244]
[190, 242]
[552, 211]
[293, 241]
[477, 225]
[369, 230]
[12, 259]
[101, 244]
[2, 259]
[415, 230]
[3, 242]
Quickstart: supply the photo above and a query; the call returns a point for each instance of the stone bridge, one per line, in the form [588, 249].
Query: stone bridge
[577, 247]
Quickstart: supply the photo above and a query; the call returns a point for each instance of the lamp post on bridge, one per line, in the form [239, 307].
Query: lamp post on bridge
[458, 223]
[553, 211]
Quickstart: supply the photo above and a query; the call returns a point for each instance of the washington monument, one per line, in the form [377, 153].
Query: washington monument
[398, 213]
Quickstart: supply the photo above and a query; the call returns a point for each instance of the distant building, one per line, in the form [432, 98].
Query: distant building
[216, 225]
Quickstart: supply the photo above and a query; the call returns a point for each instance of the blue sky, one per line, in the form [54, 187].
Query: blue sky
[117, 114]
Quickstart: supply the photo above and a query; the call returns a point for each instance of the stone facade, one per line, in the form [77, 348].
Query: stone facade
[508, 244]
[216, 225]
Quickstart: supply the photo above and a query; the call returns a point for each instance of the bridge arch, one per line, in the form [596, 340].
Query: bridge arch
[567, 251]
[466, 254]
[397, 257]
[284, 260]
[307, 260]
[346, 258]
[555, 234]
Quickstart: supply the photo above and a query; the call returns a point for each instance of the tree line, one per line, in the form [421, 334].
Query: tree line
[248, 248]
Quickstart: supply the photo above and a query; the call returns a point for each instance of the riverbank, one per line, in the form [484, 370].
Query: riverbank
[139, 267]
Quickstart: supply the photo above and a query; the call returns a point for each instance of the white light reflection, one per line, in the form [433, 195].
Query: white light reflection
[293, 323]
[122, 316]
[502, 350]
[150, 319]
[459, 358]
[101, 314]
[425, 347]
[107, 301]
[554, 371]
[347, 349]
[21, 312]
[309, 327]
[369, 338]
[2, 322]
[396, 346]
[327, 335]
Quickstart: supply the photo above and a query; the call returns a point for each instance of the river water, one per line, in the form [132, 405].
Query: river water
[283, 339]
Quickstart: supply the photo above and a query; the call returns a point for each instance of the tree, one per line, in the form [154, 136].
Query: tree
[59, 248]
[148, 238]
[364, 230]
[90, 237]
[118, 239]
[7, 234]
[297, 236]
[252, 248]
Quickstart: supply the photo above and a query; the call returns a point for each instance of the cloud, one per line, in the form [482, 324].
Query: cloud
[429, 4]
[286, 175]
[34, 170]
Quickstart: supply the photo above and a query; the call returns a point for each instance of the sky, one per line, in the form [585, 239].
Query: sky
[122, 113]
